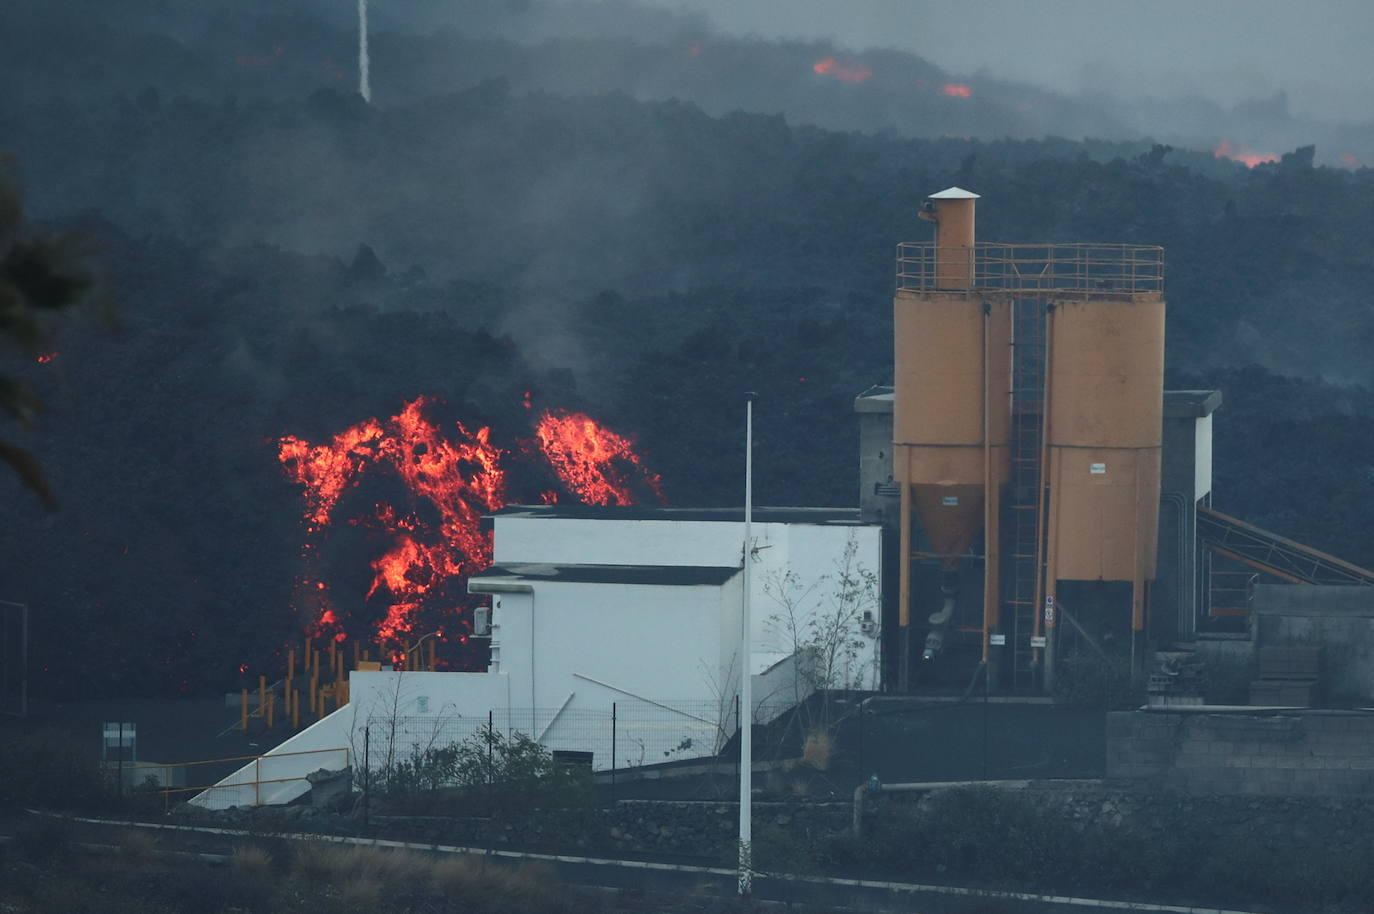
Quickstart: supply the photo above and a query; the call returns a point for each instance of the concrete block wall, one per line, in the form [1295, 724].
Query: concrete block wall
[1321, 753]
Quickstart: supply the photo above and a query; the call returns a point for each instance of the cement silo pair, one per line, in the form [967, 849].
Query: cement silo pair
[1046, 358]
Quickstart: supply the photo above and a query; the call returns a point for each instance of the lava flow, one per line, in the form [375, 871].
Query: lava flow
[852, 73]
[434, 541]
[595, 462]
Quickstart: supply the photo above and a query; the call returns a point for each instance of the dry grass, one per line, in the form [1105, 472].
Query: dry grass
[529, 886]
[251, 864]
[816, 750]
[361, 893]
[391, 866]
[136, 846]
[315, 861]
[457, 875]
[361, 872]
[526, 886]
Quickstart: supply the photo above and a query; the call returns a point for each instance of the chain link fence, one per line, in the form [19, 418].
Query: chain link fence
[623, 734]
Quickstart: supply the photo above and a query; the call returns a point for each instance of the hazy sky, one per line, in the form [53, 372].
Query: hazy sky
[1319, 51]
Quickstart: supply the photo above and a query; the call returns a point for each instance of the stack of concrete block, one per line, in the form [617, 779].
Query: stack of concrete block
[1288, 677]
[1178, 678]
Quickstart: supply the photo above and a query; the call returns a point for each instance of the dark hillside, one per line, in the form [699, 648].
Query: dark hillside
[291, 262]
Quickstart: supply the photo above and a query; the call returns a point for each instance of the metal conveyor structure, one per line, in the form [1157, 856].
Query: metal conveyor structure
[1273, 554]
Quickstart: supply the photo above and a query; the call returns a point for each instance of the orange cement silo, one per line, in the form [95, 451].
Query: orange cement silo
[1105, 399]
[951, 412]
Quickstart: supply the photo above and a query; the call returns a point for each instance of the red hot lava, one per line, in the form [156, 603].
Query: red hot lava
[957, 90]
[852, 73]
[596, 463]
[452, 477]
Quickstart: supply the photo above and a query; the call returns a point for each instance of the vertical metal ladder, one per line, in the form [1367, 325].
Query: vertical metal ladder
[1027, 536]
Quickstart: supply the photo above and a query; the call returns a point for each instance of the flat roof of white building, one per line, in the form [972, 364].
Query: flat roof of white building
[680, 575]
[828, 516]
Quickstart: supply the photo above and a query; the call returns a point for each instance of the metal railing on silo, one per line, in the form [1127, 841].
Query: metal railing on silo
[1041, 269]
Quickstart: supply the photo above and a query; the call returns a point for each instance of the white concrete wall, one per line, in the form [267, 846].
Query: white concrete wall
[810, 551]
[575, 541]
[653, 641]
[1202, 457]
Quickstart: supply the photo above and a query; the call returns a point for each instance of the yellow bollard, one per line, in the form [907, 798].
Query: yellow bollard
[290, 664]
[271, 707]
[243, 710]
[262, 695]
[296, 709]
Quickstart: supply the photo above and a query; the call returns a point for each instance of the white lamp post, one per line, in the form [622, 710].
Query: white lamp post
[746, 697]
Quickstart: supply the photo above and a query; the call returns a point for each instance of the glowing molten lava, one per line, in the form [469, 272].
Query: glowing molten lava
[458, 478]
[434, 540]
[852, 73]
[1224, 150]
[596, 463]
[957, 90]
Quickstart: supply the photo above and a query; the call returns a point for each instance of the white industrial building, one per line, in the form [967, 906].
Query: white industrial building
[627, 612]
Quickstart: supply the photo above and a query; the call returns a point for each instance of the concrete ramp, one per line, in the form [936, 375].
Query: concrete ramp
[279, 776]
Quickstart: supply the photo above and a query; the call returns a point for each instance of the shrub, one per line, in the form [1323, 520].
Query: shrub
[136, 846]
[780, 850]
[491, 771]
[477, 885]
[253, 885]
[390, 867]
[318, 861]
[530, 886]
[49, 768]
[41, 839]
[251, 863]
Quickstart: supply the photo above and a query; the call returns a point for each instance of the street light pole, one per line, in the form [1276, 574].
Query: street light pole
[746, 728]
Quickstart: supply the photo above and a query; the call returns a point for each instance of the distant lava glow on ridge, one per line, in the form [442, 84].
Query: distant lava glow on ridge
[1226, 150]
[852, 73]
[451, 477]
